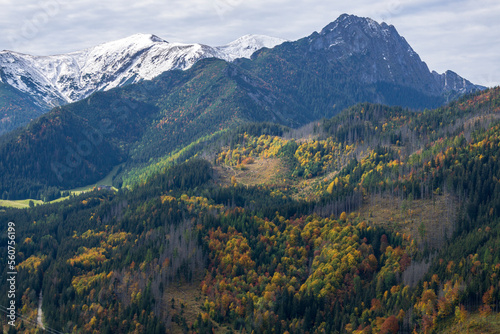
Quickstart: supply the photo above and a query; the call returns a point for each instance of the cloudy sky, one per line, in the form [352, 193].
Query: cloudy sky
[461, 35]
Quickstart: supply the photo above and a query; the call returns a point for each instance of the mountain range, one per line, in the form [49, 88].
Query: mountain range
[379, 53]
[66, 78]
[51, 81]
[156, 112]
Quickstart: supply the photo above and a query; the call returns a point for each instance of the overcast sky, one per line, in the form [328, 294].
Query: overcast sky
[460, 35]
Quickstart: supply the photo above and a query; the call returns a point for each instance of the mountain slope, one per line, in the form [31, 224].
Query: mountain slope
[39, 163]
[380, 54]
[354, 59]
[16, 108]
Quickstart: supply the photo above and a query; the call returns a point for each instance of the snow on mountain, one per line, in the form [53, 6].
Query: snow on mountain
[60, 79]
[245, 46]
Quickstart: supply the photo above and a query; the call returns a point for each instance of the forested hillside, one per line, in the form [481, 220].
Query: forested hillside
[228, 244]
[17, 108]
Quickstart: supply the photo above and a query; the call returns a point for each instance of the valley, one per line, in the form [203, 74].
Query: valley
[331, 184]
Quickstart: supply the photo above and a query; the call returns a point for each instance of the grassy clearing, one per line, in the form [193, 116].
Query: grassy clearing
[107, 181]
[273, 171]
[184, 300]
[475, 324]
[427, 221]
[24, 203]
[262, 171]
[20, 204]
[187, 302]
[311, 189]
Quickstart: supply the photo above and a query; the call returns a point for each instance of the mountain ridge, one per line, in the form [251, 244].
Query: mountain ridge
[379, 55]
[70, 77]
[351, 36]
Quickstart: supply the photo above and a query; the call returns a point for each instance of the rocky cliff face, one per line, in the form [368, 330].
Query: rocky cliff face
[454, 85]
[377, 53]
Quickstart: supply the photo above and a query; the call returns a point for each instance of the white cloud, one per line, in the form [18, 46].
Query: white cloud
[461, 35]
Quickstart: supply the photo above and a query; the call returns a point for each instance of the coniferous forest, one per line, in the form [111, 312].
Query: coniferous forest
[378, 220]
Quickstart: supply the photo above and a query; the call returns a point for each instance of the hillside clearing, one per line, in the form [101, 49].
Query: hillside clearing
[262, 171]
[427, 220]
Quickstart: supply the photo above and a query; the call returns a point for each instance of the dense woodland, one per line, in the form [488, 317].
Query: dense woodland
[275, 257]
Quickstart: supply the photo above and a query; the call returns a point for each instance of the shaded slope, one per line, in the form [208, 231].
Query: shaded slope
[16, 108]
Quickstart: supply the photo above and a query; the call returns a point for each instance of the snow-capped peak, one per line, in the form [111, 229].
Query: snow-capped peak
[246, 45]
[136, 41]
[59, 79]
